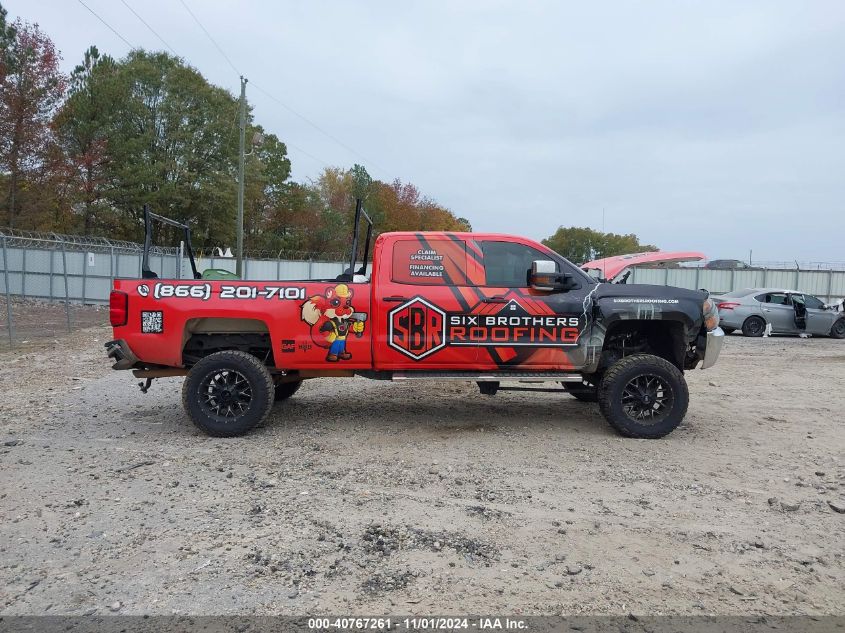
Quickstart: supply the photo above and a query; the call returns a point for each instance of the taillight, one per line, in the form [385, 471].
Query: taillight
[727, 305]
[118, 308]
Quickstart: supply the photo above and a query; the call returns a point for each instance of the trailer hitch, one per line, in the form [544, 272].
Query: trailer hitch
[152, 374]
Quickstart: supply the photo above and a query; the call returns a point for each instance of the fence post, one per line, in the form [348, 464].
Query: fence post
[697, 275]
[23, 271]
[310, 268]
[84, 274]
[51, 254]
[8, 296]
[829, 285]
[765, 278]
[111, 266]
[278, 269]
[797, 278]
[67, 297]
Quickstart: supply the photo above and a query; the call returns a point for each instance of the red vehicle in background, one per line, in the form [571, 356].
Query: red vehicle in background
[440, 306]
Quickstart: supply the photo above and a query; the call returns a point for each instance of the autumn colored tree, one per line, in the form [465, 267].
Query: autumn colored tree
[581, 245]
[267, 170]
[172, 144]
[150, 129]
[294, 218]
[316, 217]
[82, 128]
[362, 182]
[31, 88]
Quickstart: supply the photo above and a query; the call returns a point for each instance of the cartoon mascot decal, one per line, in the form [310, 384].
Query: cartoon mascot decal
[331, 317]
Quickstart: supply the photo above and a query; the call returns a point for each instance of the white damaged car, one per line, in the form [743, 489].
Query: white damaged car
[753, 310]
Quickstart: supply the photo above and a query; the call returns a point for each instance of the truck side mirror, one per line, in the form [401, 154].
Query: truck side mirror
[543, 275]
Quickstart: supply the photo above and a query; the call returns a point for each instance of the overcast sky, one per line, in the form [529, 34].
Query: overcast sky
[712, 126]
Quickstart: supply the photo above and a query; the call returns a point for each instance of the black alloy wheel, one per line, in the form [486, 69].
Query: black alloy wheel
[225, 393]
[643, 396]
[647, 399]
[228, 393]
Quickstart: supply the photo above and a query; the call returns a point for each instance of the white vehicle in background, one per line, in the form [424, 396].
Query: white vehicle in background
[752, 310]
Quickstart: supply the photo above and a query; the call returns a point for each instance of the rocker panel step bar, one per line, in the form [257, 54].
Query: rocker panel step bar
[526, 376]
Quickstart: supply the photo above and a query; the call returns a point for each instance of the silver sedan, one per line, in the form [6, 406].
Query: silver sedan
[752, 310]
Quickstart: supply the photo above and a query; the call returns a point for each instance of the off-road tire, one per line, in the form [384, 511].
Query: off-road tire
[838, 329]
[285, 390]
[581, 391]
[754, 327]
[249, 368]
[615, 382]
[728, 330]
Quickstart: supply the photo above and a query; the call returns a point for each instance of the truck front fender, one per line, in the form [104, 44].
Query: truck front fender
[666, 326]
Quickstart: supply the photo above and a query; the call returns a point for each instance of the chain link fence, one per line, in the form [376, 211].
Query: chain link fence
[52, 283]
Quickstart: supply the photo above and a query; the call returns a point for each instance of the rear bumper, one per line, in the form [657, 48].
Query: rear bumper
[713, 347]
[121, 353]
[730, 320]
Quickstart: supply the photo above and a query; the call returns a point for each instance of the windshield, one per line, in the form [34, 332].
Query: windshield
[568, 267]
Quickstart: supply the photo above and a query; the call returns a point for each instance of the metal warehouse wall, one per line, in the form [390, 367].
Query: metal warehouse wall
[40, 273]
[264, 269]
[824, 284]
[55, 268]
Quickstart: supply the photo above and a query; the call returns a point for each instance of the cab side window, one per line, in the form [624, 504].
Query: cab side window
[430, 262]
[508, 264]
[777, 298]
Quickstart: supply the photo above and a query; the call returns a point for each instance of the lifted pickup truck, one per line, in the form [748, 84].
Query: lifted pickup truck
[439, 306]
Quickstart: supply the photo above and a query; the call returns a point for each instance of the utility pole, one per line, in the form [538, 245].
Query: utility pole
[240, 245]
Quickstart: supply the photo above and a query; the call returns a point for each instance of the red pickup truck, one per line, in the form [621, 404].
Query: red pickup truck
[441, 306]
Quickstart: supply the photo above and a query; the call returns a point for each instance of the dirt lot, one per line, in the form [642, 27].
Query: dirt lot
[368, 497]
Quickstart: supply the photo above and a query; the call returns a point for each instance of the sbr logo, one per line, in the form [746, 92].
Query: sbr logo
[417, 328]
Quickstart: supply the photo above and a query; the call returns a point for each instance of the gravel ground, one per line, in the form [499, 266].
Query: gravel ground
[369, 497]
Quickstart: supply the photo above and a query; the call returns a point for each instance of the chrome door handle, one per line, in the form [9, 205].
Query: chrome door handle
[395, 299]
[494, 300]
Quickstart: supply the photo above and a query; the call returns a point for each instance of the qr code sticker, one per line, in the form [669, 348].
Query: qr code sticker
[152, 322]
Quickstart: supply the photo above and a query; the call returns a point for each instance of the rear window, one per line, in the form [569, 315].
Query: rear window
[430, 262]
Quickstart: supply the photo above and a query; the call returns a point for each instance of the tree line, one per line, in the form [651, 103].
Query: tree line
[82, 153]
[582, 245]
